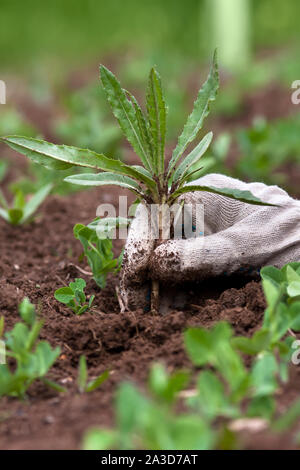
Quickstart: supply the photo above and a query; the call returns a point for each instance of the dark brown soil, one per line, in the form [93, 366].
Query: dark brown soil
[37, 259]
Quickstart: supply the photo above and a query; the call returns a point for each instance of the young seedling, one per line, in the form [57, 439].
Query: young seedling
[82, 380]
[155, 181]
[22, 211]
[28, 358]
[281, 288]
[98, 252]
[224, 391]
[74, 296]
[151, 421]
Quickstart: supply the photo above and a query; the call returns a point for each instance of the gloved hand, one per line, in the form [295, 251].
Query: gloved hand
[237, 237]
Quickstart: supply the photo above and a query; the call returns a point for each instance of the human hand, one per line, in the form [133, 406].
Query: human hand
[237, 236]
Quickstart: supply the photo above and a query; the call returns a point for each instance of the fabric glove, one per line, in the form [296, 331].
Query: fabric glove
[237, 237]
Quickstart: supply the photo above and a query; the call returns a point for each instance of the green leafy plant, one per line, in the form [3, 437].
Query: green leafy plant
[282, 292]
[224, 391]
[216, 348]
[28, 358]
[22, 211]
[266, 147]
[74, 296]
[149, 422]
[155, 181]
[82, 380]
[271, 345]
[286, 282]
[98, 252]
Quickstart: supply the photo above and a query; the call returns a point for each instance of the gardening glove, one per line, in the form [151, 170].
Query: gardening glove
[134, 288]
[238, 237]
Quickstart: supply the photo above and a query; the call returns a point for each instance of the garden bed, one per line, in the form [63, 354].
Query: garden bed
[37, 259]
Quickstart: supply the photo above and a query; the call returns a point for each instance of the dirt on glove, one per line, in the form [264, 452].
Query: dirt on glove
[37, 259]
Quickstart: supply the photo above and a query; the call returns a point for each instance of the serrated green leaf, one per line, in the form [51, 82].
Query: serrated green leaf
[192, 158]
[237, 194]
[206, 95]
[148, 159]
[101, 179]
[123, 111]
[62, 157]
[157, 114]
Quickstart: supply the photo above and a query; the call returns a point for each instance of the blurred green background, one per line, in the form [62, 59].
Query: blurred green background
[77, 31]
[50, 52]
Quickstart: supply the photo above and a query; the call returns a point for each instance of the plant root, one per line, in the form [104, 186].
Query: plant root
[155, 298]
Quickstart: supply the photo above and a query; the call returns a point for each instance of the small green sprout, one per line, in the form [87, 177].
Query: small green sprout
[224, 390]
[98, 252]
[28, 358]
[82, 381]
[22, 211]
[74, 296]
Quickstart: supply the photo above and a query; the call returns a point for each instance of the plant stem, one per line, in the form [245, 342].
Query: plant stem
[155, 284]
[155, 298]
